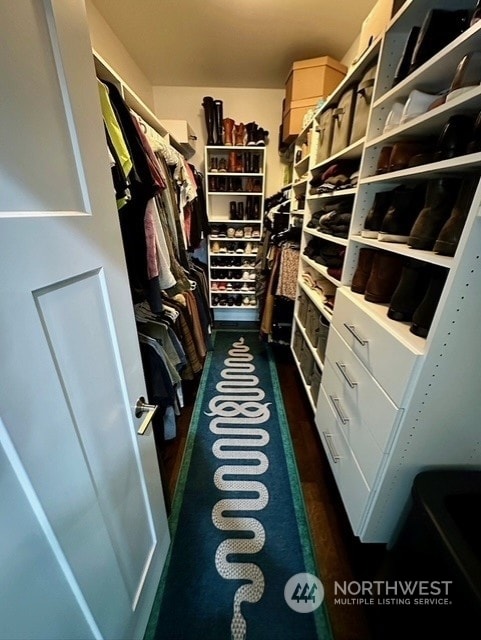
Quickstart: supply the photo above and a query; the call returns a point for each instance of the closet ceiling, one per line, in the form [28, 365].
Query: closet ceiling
[225, 43]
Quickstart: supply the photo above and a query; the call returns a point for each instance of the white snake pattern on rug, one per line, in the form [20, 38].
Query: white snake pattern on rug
[240, 404]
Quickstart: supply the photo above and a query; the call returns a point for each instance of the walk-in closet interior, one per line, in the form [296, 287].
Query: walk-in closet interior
[302, 174]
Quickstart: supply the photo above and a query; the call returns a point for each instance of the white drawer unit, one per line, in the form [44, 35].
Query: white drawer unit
[363, 398]
[352, 485]
[389, 360]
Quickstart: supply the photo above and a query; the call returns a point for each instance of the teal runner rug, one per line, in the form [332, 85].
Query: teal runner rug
[241, 563]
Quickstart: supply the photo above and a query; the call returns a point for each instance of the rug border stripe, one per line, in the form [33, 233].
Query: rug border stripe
[179, 490]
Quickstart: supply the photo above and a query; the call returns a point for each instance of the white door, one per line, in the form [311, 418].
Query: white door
[83, 528]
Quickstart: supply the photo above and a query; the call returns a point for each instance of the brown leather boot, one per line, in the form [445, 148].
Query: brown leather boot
[385, 275]
[363, 270]
[449, 236]
[232, 162]
[239, 134]
[228, 132]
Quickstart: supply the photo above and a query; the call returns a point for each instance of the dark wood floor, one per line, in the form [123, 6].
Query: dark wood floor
[340, 555]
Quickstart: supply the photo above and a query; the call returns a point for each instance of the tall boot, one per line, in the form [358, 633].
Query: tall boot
[209, 115]
[449, 236]
[440, 198]
[375, 215]
[410, 290]
[424, 314]
[239, 134]
[384, 277]
[255, 166]
[229, 132]
[251, 129]
[247, 162]
[219, 122]
[232, 162]
[233, 210]
[363, 270]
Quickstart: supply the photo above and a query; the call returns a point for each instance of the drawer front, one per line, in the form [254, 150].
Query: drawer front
[349, 478]
[362, 396]
[390, 362]
[349, 419]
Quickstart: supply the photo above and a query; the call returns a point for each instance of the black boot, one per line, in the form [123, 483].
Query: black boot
[406, 203]
[209, 114]
[402, 69]
[439, 28]
[440, 198]
[424, 314]
[475, 143]
[454, 138]
[251, 129]
[375, 216]
[448, 237]
[219, 122]
[410, 291]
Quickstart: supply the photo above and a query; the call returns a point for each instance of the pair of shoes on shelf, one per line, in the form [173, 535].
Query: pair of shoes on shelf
[430, 218]
[412, 288]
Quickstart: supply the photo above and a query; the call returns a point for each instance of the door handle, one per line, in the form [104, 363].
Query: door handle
[142, 408]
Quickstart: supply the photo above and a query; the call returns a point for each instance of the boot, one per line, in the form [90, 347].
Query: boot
[363, 270]
[219, 122]
[228, 132]
[239, 134]
[251, 129]
[448, 238]
[239, 165]
[402, 70]
[475, 144]
[383, 160]
[440, 198]
[375, 216]
[214, 165]
[248, 211]
[240, 211]
[260, 137]
[406, 203]
[410, 290]
[232, 162]
[233, 211]
[454, 138]
[248, 162]
[438, 29]
[255, 166]
[424, 314]
[222, 166]
[384, 277]
[209, 115]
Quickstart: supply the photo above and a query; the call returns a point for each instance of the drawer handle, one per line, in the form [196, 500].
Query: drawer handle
[343, 369]
[334, 455]
[352, 329]
[337, 406]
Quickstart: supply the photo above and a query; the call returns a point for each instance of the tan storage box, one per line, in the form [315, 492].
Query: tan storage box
[293, 117]
[314, 78]
[342, 118]
[376, 22]
[326, 129]
[365, 92]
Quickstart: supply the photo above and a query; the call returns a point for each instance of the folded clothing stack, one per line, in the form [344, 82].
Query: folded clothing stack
[341, 175]
[333, 218]
[327, 254]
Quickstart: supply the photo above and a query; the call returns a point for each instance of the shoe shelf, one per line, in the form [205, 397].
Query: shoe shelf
[352, 152]
[326, 236]
[405, 250]
[228, 221]
[433, 76]
[432, 122]
[469, 163]
[232, 174]
[337, 193]
[235, 193]
[231, 147]
[320, 269]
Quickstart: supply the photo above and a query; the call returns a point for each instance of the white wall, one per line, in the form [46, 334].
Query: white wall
[263, 106]
[106, 44]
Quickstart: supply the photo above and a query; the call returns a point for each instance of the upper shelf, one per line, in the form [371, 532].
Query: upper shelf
[105, 72]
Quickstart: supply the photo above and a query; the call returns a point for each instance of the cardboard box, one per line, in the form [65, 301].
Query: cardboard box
[293, 117]
[182, 132]
[314, 78]
[376, 22]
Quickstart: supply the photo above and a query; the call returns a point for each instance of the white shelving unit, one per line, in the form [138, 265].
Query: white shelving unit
[391, 403]
[235, 206]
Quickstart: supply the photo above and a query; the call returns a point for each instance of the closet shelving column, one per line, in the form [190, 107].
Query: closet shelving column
[399, 415]
[317, 283]
[235, 189]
